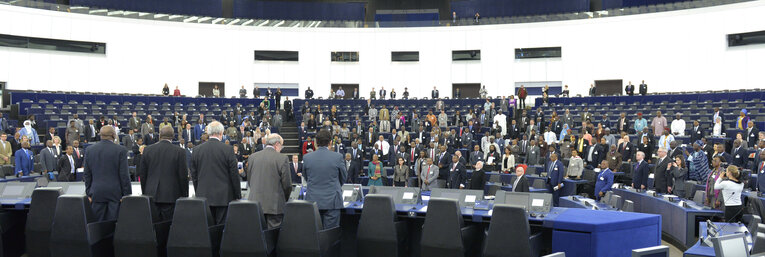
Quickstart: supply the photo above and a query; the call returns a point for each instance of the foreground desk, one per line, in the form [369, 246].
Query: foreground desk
[679, 223]
[577, 232]
[699, 250]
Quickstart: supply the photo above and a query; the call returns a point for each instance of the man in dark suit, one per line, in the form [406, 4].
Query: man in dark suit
[752, 134]
[643, 88]
[106, 175]
[629, 89]
[215, 174]
[24, 160]
[188, 134]
[128, 141]
[740, 154]
[50, 135]
[521, 183]
[296, 170]
[696, 132]
[164, 164]
[150, 138]
[626, 149]
[353, 168]
[555, 177]
[66, 166]
[592, 156]
[640, 172]
[458, 176]
[325, 174]
[91, 134]
[434, 93]
[661, 177]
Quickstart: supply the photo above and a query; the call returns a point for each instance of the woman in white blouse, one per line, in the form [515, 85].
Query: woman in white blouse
[575, 166]
[717, 129]
[508, 160]
[731, 188]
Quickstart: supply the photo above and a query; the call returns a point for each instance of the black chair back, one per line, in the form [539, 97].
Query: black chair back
[40, 220]
[243, 235]
[441, 233]
[190, 230]
[377, 234]
[75, 231]
[299, 235]
[509, 229]
[134, 234]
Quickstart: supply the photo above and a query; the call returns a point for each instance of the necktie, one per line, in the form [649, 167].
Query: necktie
[71, 163]
[296, 167]
[412, 159]
[637, 165]
[762, 165]
[427, 174]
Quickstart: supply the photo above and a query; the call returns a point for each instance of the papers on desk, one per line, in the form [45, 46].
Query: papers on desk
[471, 199]
[408, 195]
[347, 193]
[424, 209]
[537, 202]
[425, 197]
[491, 211]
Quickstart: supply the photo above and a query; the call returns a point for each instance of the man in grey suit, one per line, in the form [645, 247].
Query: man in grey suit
[276, 121]
[215, 174]
[428, 174]
[48, 158]
[532, 154]
[325, 173]
[135, 122]
[268, 174]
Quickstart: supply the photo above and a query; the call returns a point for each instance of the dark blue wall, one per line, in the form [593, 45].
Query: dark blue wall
[298, 10]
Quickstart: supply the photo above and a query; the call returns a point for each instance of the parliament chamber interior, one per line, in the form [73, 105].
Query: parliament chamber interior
[382, 128]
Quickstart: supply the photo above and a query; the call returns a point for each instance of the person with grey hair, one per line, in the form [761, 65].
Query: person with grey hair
[164, 163]
[640, 172]
[106, 175]
[219, 182]
[662, 177]
[270, 180]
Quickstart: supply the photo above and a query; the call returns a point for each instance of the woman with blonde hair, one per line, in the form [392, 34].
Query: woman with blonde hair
[730, 187]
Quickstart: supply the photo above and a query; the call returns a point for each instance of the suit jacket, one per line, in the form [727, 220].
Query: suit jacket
[164, 164]
[150, 139]
[134, 123]
[188, 135]
[65, 172]
[106, 172]
[215, 174]
[603, 182]
[661, 177]
[293, 172]
[626, 150]
[25, 161]
[48, 136]
[555, 173]
[640, 174]
[740, 157]
[325, 172]
[353, 170]
[199, 129]
[457, 175]
[48, 159]
[430, 174]
[6, 150]
[128, 141]
[89, 132]
[696, 134]
[532, 155]
[268, 174]
[598, 154]
[522, 185]
[751, 137]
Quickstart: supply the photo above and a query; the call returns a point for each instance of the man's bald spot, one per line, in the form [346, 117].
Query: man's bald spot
[107, 132]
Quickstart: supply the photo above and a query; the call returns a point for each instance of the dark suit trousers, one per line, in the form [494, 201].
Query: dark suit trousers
[555, 194]
[166, 210]
[330, 218]
[219, 214]
[106, 210]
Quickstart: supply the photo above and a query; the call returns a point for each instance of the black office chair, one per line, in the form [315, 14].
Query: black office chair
[757, 205]
[139, 232]
[509, 229]
[302, 234]
[444, 233]
[40, 220]
[628, 206]
[246, 232]
[616, 201]
[379, 232]
[75, 231]
[193, 232]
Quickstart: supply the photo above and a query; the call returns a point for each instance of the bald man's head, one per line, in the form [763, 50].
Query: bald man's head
[107, 133]
[166, 133]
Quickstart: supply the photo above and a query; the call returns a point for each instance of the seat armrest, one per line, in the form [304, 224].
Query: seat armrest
[535, 242]
[470, 235]
[329, 241]
[271, 235]
[101, 230]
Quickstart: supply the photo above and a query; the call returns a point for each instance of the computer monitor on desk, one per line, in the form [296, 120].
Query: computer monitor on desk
[400, 195]
[531, 202]
[467, 198]
[352, 193]
[733, 245]
[295, 194]
[70, 188]
[17, 190]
